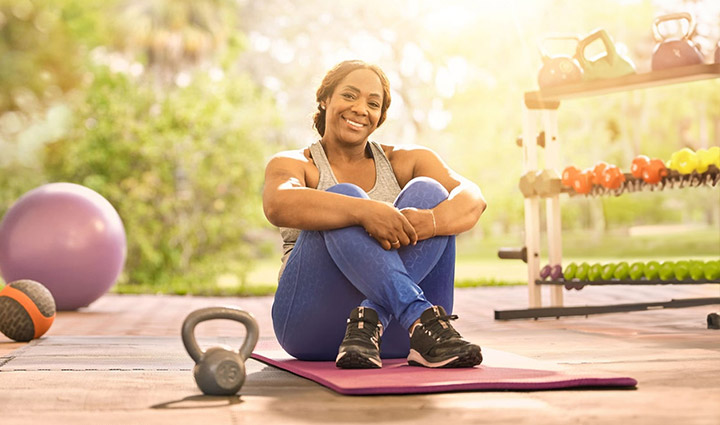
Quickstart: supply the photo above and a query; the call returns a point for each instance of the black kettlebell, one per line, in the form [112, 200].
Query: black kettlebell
[673, 52]
[559, 69]
[219, 370]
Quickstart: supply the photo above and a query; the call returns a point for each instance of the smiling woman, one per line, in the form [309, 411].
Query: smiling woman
[381, 98]
[368, 225]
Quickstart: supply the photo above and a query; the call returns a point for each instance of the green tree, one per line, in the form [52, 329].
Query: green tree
[184, 174]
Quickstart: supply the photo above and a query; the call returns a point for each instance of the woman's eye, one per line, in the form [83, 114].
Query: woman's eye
[348, 96]
[374, 105]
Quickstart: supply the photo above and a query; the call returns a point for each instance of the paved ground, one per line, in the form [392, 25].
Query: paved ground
[101, 367]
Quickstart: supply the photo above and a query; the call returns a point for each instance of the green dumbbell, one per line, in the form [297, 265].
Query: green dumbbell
[582, 271]
[696, 270]
[621, 271]
[682, 270]
[571, 271]
[652, 269]
[711, 270]
[667, 270]
[608, 271]
[637, 270]
[595, 272]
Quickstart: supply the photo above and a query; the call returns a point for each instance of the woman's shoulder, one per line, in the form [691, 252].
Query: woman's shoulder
[297, 163]
[406, 152]
[302, 155]
[292, 159]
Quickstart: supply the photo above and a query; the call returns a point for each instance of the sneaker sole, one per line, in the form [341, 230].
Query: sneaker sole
[466, 360]
[355, 360]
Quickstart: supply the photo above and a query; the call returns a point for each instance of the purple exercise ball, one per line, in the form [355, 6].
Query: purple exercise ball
[67, 237]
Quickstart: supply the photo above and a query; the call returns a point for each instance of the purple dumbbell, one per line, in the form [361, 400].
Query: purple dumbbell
[556, 272]
[545, 272]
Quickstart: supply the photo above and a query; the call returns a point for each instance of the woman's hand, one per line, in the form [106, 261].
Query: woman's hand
[423, 221]
[388, 225]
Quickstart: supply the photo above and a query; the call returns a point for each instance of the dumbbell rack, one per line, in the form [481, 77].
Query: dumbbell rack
[542, 107]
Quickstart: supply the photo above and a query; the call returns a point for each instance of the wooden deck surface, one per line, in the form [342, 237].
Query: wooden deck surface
[672, 354]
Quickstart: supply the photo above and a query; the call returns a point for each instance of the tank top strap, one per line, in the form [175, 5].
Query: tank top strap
[327, 178]
[386, 186]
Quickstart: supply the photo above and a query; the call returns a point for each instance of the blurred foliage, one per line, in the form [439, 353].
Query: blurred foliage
[180, 153]
[170, 108]
[184, 175]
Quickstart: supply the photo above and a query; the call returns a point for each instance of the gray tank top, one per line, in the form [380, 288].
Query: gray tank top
[386, 187]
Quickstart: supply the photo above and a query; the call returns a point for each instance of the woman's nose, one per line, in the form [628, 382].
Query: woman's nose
[359, 107]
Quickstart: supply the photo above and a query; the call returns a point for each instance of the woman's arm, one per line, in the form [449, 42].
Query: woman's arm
[459, 213]
[288, 202]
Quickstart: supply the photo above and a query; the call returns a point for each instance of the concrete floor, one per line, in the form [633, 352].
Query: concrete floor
[671, 353]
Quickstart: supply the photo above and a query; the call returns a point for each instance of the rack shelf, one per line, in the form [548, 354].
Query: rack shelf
[550, 98]
[541, 106]
[536, 313]
[577, 282]
[674, 180]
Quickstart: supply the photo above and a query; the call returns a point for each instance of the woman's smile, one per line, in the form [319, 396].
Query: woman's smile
[354, 108]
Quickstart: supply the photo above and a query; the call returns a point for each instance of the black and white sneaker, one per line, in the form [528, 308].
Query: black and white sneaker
[435, 343]
[360, 348]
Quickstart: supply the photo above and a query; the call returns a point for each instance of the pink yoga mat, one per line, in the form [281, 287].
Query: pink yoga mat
[499, 371]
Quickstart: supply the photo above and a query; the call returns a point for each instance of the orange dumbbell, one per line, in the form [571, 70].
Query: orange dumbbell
[583, 181]
[612, 178]
[654, 171]
[638, 165]
[597, 172]
[568, 176]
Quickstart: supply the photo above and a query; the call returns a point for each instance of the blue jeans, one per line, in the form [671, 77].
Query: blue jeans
[329, 273]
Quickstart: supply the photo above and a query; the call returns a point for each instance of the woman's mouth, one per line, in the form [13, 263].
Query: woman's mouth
[354, 124]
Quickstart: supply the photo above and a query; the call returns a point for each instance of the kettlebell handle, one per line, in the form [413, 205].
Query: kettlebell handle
[674, 17]
[543, 42]
[602, 35]
[211, 313]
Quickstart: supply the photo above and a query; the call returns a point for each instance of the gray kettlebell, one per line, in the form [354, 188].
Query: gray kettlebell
[670, 53]
[559, 69]
[218, 370]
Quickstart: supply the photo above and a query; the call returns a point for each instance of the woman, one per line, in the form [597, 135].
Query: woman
[367, 229]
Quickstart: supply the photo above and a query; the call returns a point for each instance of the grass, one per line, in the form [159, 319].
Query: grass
[248, 290]
[478, 265]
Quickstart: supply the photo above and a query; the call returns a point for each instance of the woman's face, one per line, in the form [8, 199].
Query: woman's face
[353, 110]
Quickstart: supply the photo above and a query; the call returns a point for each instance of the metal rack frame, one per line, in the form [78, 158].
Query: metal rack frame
[541, 107]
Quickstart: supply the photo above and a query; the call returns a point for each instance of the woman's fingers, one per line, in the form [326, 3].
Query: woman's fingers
[389, 226]
[409, 232]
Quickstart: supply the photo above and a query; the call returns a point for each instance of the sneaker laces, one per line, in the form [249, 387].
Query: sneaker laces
[439, 327]
[369, 331]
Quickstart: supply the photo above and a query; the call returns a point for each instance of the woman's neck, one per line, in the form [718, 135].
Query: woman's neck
[344, 152]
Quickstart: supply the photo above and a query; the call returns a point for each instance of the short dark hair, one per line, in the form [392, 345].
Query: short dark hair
[333, 78]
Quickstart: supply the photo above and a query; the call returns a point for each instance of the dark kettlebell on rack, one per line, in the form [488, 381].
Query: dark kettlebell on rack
[609, 65]
[673, 52]
[219, 370]
[559, 69]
